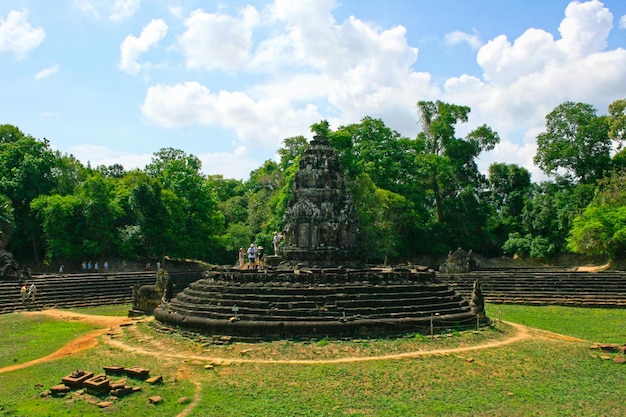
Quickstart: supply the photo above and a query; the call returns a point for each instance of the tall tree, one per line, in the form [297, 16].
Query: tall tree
[576, 145]
[29, 168]
[450, 161]
[192, 204]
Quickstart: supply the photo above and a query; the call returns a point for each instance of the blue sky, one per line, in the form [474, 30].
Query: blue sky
[114, 81]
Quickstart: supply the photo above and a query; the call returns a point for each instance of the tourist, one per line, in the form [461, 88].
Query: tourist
[260, 255]
[277, 238]
[32, 290]
[252, 254]
[158, 265]
[106, 266]
[61, 269]
[89, 266]
[96, 267]
[148, 266]
[240, 259]
[84, 266]
[24, 292]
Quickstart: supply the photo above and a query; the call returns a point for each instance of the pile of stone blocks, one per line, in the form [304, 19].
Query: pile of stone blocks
[101, 384]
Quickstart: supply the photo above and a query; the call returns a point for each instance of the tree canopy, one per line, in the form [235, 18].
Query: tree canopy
[414, 196]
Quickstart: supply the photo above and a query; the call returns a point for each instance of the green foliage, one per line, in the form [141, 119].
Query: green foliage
[7, 220]
[187, 210]
[29, 168]
[617, 120]
[509, 188]
[601, 228]
[428, 187]
[576, 143]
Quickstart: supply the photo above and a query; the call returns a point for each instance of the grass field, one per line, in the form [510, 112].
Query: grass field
[542, 375]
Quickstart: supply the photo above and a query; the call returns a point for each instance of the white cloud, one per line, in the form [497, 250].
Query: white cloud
[116, 10]
[622, 22]
[215, 40]
[312, 67]
[585, 28]
[17, 35]
[123, 9]
[97, 155]
[458, 37]
[525, 79]
[260, 123]
[133, 46]
[237, 164]
[47, 72]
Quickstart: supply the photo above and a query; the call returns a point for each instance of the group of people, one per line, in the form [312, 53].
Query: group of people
[256, 254]
[28, 291]
[89, 267]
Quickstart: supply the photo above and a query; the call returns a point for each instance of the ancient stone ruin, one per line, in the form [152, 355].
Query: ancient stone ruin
[320, 221]
[10, 270]
[459, 261]
[318, 287]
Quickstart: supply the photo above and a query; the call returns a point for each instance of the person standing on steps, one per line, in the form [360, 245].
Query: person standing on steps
[260, 255]
[252, 254]
[24, 292]
[32, 290]
[240, 259]
[278, 237]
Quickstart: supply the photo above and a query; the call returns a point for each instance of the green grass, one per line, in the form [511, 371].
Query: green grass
[535, 377]
[594, 324]
[105, 310]
[25, 338]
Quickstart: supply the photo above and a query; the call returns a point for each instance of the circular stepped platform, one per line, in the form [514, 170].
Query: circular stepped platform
[266, 304]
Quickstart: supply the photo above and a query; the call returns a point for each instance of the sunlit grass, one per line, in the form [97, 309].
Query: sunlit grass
[594, 324]
[25, 338]
[536, 377]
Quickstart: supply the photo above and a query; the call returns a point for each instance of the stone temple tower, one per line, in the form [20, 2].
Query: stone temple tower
[320, 220]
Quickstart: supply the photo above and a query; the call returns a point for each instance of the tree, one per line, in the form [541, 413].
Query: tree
[191, 203]
[509, 188]
[450, 161]
[576, 144]
[617, 120]
[30, 168]
[153, 234]
[601, 228]
[82, 224]
[547, 218]
[7, 220]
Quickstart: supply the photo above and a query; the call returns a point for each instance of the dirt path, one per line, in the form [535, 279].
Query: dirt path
[155, 348]
[83, 342]
[521, 333]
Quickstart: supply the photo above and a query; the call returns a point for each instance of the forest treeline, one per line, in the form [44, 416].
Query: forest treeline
[414, 196]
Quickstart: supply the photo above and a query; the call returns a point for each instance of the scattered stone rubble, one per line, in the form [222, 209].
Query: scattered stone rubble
[103, 385]
[606, 349]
